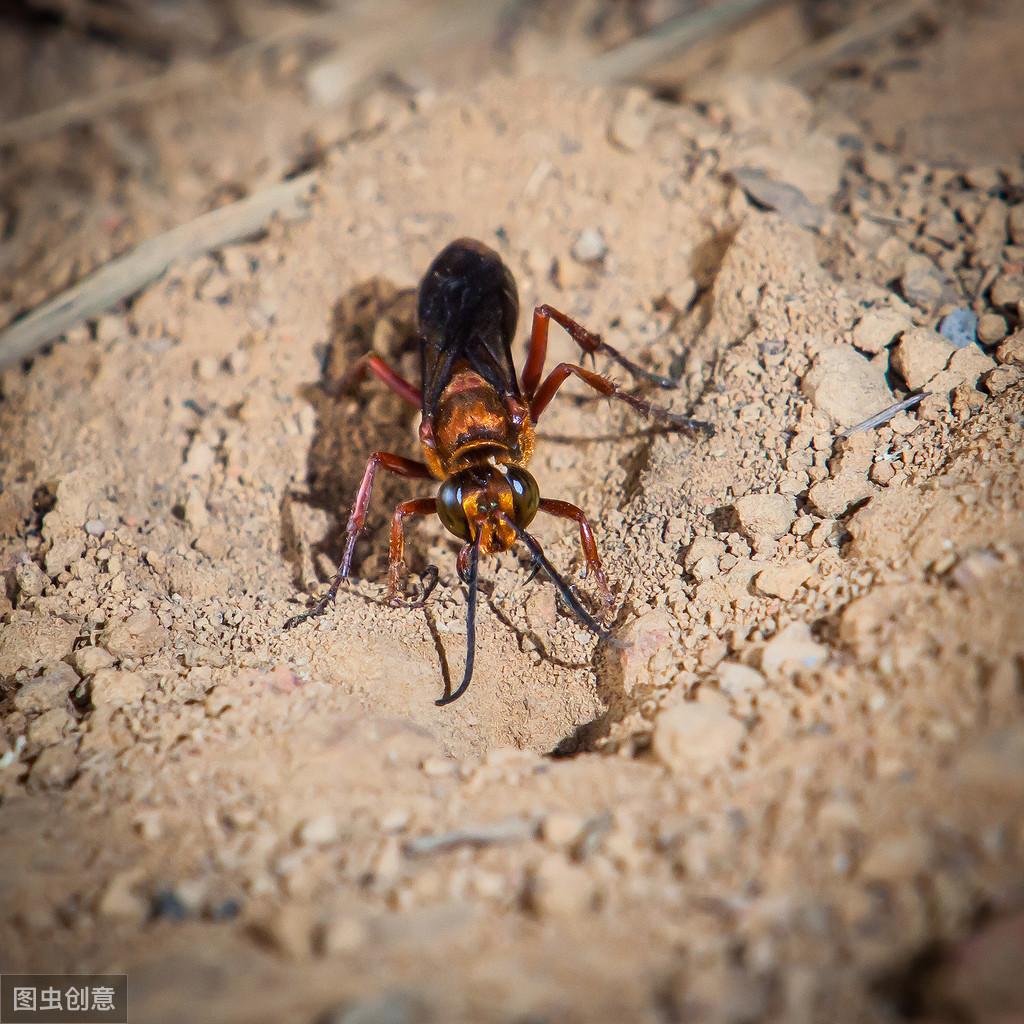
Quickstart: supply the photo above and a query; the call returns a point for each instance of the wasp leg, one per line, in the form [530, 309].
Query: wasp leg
[396, 464]
[563, 371]
[589, 342]
[372, 363]
[564, 510]
[396, 562]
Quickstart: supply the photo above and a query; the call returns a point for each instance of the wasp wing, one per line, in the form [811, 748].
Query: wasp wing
[467, 312]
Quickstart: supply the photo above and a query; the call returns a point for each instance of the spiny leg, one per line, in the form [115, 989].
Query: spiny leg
[395, 464]
[563, 371]
[372, 363]
[565, 510]
[396, 560]
[588, 341]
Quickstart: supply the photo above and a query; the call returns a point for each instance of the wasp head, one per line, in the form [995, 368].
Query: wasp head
[483, 499]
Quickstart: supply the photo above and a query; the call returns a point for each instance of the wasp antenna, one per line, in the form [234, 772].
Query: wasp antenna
[541, 562]
[472, 573]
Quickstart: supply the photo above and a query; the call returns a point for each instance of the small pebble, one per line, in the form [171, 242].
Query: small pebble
[590, 246]
[765, 515]
[991, 329]
[319, 831]
[95, 527]
[960, 327]
[31, 580]
[696, 738]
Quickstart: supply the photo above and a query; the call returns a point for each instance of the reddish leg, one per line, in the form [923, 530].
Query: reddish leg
[587, 340]
[396, 561]
[563, 371]
[371, 363]
[564, 510]
[394, 463]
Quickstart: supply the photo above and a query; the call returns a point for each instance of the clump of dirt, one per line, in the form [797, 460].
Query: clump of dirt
[806, 767]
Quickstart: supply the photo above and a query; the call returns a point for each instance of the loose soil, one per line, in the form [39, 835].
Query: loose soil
[795, 793]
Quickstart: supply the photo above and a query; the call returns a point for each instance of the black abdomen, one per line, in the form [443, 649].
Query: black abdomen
[468, 309]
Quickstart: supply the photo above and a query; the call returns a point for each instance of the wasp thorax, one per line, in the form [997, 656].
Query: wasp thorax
[480, 498]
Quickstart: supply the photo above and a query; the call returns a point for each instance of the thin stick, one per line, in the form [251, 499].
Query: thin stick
[127, 274]
[885, 415]
[637, 55]
[849, 38]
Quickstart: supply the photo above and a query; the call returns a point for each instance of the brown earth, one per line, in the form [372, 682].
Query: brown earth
[797, 794]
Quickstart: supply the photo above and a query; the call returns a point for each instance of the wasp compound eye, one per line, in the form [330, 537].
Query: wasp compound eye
[449, 507]
[525, 494]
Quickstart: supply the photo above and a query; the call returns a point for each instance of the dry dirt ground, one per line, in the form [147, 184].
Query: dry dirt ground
[796, 794]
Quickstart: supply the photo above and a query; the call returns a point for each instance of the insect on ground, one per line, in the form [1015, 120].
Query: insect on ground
[477, 430]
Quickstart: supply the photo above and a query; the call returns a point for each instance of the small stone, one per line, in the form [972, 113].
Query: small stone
[738, 680]
[701, 559]
[319, 831]
[1015, 223]
[138, 636]
[26, 642]
[200, 459]
[63, 552]
[590, 246]
[113, 688]
[783, 580]
[88, 660]
[1007, 291]
[54, 768]
[897, 858]
[120, 901]
[983, 178]
[396, 820]
[1011, 351]
[31, 580]
[696, 738]
[792, 649]
[882, 472]
[437, 767]
[645, 637]
[95, 527]
[996, 381]
[557, 888]
[212, 542]
[561, 828]
[341, 935]
[50, 690]
[879, 328]
[920, 355]
[49, 728]
[631, 123]
[991, 329]
[196, 514]
[960, 327]
[921, 283]
[880, 166]
[286, 930]
[765, 515]
[845, 386]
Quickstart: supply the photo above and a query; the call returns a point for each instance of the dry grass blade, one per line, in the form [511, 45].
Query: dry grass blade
[662, 42]
[126, 275]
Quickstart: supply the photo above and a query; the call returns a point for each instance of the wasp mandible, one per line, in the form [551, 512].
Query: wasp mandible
[477, 429]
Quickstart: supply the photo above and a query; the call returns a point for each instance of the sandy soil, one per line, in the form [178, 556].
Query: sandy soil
[797, 794]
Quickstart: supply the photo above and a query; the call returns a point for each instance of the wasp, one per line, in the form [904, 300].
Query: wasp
[477, 431]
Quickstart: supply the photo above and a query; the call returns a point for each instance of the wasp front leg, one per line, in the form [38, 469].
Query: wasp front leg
[357, 520]
[396, 560]
[564, 510]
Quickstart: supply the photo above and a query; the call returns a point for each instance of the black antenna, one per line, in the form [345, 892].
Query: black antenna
[471, 579]
[541, 562]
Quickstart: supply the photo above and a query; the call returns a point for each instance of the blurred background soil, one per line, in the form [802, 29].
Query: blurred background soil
[798, 793]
